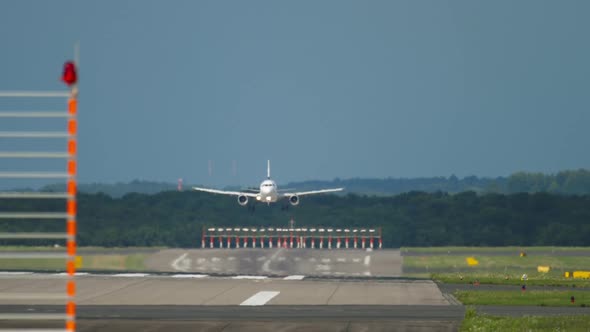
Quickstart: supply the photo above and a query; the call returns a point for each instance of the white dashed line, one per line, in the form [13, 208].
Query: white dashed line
[326, 260]
[131, 275]
[8, 273]
[294, 277]
[188, 276]
[77, 274]
[260, 298]
[215, 259]
[323, 267]
[356, 260]
[232, 258]
[250, 277]
[312, 259]
[367, 260]
[342, 260]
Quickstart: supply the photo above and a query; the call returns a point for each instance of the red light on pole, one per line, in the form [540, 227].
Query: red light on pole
[69, 76]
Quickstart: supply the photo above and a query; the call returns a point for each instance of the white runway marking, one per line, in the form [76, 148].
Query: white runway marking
[294, 277]
[367, 260]
[131, 275]
[367, 273]
[266, 265]
[187, 276]
[342, 260]
[77, 274]
[369, 249]
[326, 260]
[201, 260]
[232, 258]
[250, 277]
[280, 259]
[356, 260]
[297, 259]
[312, 259]
[323, 267]
[7, 273]
[215, 259]
[260, 259]
[176, 264]
[260, 298]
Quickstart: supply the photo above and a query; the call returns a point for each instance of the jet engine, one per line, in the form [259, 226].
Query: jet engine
[294, 200]
[242, 200]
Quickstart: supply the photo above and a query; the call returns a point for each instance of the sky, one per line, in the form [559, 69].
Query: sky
[324, 89]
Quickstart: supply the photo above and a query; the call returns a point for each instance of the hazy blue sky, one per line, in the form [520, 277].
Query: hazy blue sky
[324, 89]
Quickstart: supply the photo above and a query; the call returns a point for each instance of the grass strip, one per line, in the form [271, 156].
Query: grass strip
[483, 323]
[553, 298]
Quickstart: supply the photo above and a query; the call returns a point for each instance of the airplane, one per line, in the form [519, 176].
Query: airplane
[268, 192]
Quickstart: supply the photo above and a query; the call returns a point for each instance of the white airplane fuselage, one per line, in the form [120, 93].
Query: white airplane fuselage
[268, 192]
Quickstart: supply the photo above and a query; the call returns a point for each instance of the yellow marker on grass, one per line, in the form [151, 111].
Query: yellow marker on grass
[78, 262]
[471, 261]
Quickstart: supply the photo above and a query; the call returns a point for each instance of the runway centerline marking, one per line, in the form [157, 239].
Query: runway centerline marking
[294, 277]
[356, 260]
[190, 276]
[178, 261]
[250, 277]
[260, 298]
[342, 260]
[367, 260]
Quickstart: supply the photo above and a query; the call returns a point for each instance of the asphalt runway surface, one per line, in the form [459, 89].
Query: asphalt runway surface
[232, 318]
[282, 261]
[183, 289]
[184, 302]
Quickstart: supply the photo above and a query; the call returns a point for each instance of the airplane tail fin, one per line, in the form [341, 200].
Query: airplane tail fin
[268, 169]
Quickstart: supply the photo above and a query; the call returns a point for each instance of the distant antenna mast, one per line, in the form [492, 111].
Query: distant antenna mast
[180, 184]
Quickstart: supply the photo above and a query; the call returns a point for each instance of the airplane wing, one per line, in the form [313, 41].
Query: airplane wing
[224, 192]
[321, 191]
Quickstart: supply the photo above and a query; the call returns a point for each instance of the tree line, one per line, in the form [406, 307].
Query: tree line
[576, 182]
[175, 219]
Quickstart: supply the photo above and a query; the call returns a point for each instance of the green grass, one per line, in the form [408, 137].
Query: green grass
[54, 264]
[515, 249]
[63, 248]
[133, 262]
[483, 323]
[497, 263]
[534, 279]
[552, 298]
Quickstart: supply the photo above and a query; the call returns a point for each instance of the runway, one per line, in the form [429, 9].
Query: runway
[134, 289]
[280, 262]
[130, 302]
[272, 318]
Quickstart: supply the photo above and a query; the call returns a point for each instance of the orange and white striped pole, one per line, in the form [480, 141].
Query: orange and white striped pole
[71, 208]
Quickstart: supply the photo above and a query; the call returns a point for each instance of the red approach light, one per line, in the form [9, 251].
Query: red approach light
[69, 76]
